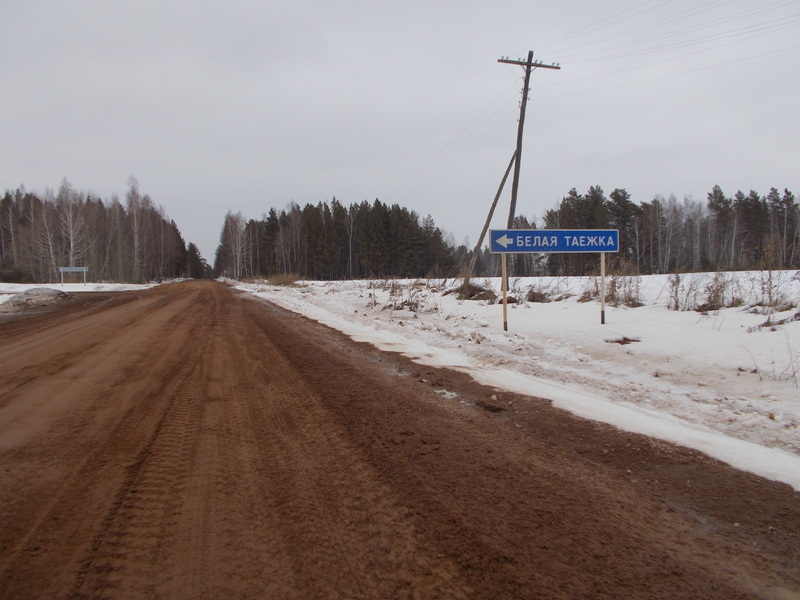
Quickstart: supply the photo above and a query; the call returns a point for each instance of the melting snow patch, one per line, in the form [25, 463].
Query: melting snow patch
[34, 297]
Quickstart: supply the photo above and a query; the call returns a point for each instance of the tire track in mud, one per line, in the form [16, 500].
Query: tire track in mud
[249, 499]
[67, 474]
[327, 500]
[135, 532]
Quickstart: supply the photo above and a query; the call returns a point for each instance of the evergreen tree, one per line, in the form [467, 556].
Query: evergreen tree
[625, 216]
[196, 266]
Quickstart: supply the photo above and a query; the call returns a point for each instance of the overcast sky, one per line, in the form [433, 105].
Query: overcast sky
[247, 105]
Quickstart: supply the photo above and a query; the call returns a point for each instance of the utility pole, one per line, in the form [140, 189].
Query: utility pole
[529, 66]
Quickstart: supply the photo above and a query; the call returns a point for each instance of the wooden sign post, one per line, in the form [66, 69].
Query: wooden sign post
[508, 241]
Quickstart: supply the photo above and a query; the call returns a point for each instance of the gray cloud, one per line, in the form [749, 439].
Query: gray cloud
[247, 105]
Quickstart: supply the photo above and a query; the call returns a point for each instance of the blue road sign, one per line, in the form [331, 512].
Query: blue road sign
[507, 241]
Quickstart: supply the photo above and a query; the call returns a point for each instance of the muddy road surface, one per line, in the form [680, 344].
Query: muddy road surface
[190, 441]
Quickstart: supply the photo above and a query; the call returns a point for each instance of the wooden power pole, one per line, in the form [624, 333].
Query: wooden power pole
[529, 66]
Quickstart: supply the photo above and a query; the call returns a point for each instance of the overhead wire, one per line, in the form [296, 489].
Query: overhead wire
[591, 43]
[647, 42]
[700, 44]
[657, 35]
[742, 34]
[736, 40]
[670, 76]
[597, 25]
[443, 159]
[457, 159]
[643, 28]
[639, 66]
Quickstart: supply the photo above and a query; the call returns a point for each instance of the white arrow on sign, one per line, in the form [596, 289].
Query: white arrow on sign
[504, 241]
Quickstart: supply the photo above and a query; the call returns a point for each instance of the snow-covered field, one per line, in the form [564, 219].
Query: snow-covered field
[722, 381]
[717, 381]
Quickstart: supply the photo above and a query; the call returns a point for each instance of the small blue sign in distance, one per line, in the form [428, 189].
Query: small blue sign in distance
[507, 241]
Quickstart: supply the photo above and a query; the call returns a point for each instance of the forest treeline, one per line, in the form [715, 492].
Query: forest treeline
[664, 235]
[722, 233]
[133, 239]
[133, 242]
[334, 241]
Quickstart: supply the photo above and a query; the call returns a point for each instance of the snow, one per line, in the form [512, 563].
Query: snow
[33, 297]
[8, 290]
[719, 382]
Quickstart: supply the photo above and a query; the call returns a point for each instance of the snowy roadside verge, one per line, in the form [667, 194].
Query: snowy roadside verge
[685, 377]
[7, 290]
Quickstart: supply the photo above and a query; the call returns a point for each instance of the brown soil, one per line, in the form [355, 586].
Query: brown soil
[192, 442]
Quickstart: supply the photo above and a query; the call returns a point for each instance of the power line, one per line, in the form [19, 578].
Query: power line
[713, 38]
[761, 28]
[466, 142]
[671, 76]
[651, 64]
[641, 28]
[580, 46]
[452, 160]
[655, 34]
[597, 25]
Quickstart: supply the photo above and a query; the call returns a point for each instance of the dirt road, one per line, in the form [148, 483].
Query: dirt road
[192, 442]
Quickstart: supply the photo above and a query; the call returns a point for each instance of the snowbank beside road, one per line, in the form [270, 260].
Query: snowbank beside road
[7, 290]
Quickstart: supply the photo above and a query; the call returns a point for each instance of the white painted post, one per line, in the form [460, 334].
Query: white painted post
[602, 288]
[504, 286]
